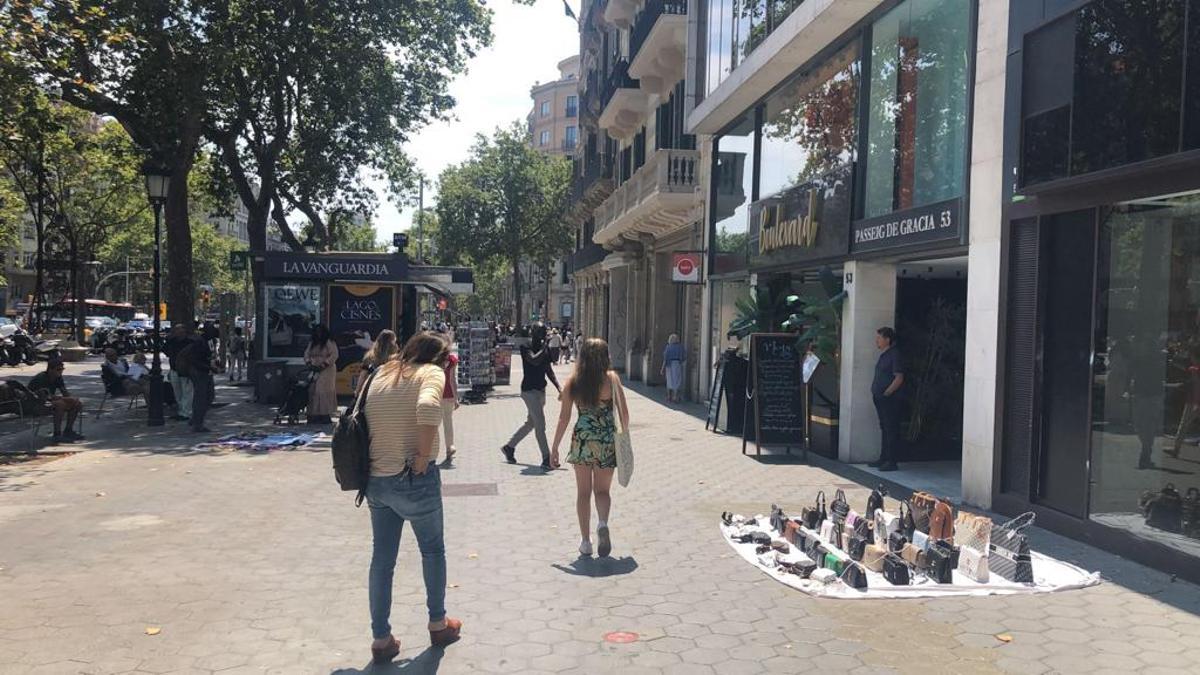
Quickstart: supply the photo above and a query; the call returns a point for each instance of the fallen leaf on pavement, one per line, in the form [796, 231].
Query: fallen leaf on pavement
[153, 630]
[451, 585]
[101, 494]
[472, 556]
[1004, 637]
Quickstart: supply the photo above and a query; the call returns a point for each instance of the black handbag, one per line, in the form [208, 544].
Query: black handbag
[941, 559]
[815, 515]
[855, 576]
[875, 502]
[865, 529]
[1008, 553]
[856, 547]
[778, 520]
[908, 524]
[839, 507]
[802, 569]
[896, 571]
[816, 551]
[837, 535]
[896, 542]
[755, 538]
[351, 447]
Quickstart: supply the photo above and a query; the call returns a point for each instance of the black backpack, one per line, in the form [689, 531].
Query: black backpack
[352, 447]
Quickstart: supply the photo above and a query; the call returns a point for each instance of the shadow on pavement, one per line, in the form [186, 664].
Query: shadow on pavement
[427, 661]
[587, 566]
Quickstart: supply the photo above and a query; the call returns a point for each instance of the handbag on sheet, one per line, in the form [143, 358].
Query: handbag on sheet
[839, 508]
[896, 542]
[852, 519]
[824, 575]
[896, 571]
[941, 521]
[856, 547]
[865, 529]
[973, 563]
[907, 524]
[972, 530]
[1009, 554]
[778, 519]
[814, 515]
[940, 561]
[855, 576]
[875, 501]
[621, 439]
[885, 524]
[872, 558]
[913, 556]
[826, 531]
[793, 534]
[922, 505]
[920, 540]
[833, 562]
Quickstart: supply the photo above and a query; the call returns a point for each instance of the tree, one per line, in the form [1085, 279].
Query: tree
[150, 66]
[347, 232]
[12, 216]
[506, 201]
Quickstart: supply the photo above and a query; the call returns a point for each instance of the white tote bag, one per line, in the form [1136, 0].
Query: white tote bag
[624, 446]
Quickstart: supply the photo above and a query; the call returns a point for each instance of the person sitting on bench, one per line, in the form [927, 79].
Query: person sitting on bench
[52, 390]
[117, 379]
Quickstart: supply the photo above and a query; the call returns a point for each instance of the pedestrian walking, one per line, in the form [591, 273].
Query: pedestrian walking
[322, 355]
[595, 390]
[674, 358]
[554, 344]
[885, 390]
[450, 403]
[181, 382]
[237, 354]
[535, 362]
[403, 409]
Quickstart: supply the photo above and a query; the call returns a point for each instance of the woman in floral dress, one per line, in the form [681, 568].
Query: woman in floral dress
[592, 388]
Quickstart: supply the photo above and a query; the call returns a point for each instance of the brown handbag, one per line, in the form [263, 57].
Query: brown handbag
[941, 521]
[913, 555]
[873, 557]
[922, 504]
[790, 529]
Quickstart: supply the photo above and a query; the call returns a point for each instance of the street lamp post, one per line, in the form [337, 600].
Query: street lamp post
[158, 180]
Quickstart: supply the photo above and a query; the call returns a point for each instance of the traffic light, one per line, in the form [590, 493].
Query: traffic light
[162, 311]
[205, 297]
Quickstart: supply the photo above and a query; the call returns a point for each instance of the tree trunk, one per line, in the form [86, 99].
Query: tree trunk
[516, 267]
[180, 294]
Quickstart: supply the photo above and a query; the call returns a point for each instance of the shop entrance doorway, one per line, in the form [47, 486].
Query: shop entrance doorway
[931, 328]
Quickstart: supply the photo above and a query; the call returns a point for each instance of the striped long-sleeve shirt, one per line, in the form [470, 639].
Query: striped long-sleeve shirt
[394, 410]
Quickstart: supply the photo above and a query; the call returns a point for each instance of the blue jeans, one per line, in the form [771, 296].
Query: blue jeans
[393, 500]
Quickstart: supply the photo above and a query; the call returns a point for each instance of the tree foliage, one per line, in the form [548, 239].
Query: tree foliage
[506, 202]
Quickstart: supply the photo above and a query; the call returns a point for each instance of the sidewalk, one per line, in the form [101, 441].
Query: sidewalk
[257, 563]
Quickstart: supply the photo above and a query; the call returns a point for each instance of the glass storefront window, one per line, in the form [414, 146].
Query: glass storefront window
[917, 127]
[734, 28]
[809, 126]
[1146, 368]
[292, 311]
[733, 174]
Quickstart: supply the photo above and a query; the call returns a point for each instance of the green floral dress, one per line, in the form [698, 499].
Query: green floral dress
[592, 441]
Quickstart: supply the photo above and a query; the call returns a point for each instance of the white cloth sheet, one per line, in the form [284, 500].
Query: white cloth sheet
[1049, 575]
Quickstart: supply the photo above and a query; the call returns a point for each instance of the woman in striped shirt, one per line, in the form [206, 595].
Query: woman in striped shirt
[404, 409]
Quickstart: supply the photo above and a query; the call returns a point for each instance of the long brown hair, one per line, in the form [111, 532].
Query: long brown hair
[383, 349]
[420, 349]
[591, 370]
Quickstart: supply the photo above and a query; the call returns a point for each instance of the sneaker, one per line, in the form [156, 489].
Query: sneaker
[889, 466]
[546, 466]
[585, 547]
[605, 546]
[510, 454]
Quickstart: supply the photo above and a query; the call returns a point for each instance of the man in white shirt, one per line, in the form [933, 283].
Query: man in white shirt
[554, 344]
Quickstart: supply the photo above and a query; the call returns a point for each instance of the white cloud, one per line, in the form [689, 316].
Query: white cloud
[527, 46]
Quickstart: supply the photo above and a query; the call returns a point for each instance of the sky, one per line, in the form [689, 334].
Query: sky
[527, 45]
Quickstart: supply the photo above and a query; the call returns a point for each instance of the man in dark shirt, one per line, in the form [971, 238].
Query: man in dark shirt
[535, 362]
[200, 364]
[52, 390]
[885, 388]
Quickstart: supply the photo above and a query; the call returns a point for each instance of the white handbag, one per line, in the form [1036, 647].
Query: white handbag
[885, 524]
[973, 564]
[920, 540]
[826, 532]
[624, 445]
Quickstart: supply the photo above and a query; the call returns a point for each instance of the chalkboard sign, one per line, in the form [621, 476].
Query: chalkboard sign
[778, 390]
[714, 396]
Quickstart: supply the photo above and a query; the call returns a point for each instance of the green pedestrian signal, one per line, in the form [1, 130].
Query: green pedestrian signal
[239, 261]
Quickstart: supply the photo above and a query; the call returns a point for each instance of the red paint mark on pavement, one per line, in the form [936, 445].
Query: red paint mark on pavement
[620, 637]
